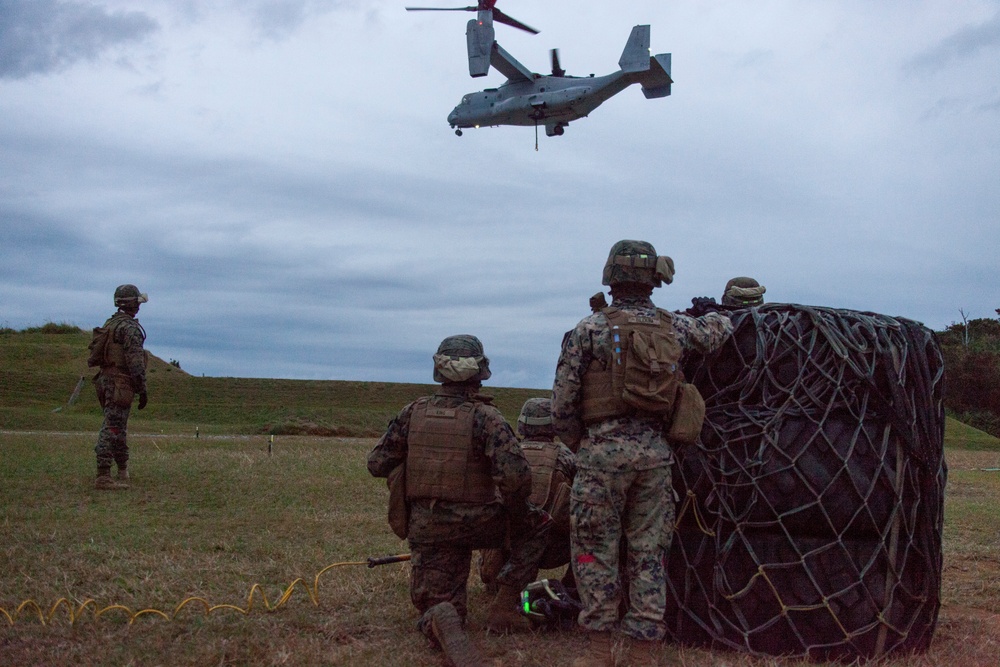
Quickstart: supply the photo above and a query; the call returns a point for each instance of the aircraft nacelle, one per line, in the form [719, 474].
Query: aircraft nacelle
[479, 37]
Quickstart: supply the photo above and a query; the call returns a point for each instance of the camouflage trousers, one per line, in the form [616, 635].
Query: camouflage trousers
[605, 507]
[111, 447]
[555, 555]
[440, 561]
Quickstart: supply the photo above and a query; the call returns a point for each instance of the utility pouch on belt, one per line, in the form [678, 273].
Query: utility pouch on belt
[123, 392]
[399, 509]
[689, 415]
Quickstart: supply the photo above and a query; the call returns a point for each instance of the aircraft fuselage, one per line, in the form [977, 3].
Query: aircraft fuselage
[543, 100]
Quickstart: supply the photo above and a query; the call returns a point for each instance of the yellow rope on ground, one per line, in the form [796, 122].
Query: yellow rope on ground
[75, 613]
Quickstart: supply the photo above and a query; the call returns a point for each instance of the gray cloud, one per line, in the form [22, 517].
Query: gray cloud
[299, 208]
[42, 36]
[964, 44]
[277, 19]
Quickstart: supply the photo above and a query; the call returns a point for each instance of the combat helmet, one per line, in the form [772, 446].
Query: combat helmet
[129, 296]
[535, 419]
[637, 262]
[461, 359]
[743, 292]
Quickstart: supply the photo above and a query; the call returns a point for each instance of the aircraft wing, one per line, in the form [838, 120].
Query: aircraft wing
[508, 65]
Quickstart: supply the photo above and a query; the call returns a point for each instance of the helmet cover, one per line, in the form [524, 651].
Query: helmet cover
[743, 291]
[461, 359]
[536, 418]
[637, 262]
[129, 295]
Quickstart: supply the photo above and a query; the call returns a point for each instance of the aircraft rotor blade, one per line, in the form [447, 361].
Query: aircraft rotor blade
[556, 69]
[500, 17]
[442, 9]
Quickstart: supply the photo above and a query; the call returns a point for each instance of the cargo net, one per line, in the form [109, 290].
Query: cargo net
[810, 512]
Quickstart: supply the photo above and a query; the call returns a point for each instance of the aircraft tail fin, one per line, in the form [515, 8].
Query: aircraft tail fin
[635, 57]
[652, 72]
[656, 82]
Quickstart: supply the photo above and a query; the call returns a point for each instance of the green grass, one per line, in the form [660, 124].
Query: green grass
[39, 372]
[218, 516]
[210, 517]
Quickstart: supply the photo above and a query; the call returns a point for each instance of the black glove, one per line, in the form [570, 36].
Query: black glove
[700, 305]
[142, 399]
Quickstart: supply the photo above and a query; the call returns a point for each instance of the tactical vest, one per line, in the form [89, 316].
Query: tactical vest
[550, 487]
[441, 461]
[642, 375]
[542, 457]
[105, 350]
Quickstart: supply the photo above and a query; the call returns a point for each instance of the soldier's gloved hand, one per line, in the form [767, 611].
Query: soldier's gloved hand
[142, 399]
[701, 305]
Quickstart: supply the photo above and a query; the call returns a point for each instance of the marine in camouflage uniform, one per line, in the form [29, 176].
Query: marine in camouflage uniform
[443, 533]
[122, 376]
[623, 481]
[553, 466]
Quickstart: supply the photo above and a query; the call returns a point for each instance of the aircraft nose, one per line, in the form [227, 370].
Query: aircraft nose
[453, 116]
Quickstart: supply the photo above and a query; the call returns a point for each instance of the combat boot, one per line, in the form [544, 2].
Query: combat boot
[598, 651]
[447, 629]
[105, 483]
[123, 477]
[644, 653]
[503, 615]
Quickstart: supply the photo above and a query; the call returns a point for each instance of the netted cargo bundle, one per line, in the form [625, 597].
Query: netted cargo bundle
[810, 514]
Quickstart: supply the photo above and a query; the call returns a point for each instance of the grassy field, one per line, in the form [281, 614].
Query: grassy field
[39, 373]
[235, 549]
[216, 518]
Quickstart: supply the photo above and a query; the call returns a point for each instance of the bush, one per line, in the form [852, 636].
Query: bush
[53, 328]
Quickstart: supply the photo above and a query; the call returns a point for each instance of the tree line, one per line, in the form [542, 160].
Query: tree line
[971, 350]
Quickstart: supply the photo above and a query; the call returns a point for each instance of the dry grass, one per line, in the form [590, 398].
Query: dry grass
[211, 517]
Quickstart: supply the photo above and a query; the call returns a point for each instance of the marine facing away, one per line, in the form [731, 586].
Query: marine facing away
[117, 349]
[466, 484]
[622, 487]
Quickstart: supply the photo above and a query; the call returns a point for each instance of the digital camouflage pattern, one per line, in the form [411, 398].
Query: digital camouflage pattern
[461, 359]
[621, 459]
[112, 447]
[442, 534]
[606, 506]
[624, 441]
[636, 262]
[556, 552]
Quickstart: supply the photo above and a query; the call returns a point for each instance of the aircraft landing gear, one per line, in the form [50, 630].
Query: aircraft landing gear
[458, 133]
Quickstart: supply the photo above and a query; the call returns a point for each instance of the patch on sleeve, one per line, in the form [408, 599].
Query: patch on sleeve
[583, 559]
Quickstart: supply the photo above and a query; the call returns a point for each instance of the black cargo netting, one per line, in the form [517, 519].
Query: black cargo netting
[810, 513]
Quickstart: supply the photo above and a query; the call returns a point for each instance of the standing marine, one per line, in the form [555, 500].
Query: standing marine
[622, 487]
[466, 485]
[117, 348]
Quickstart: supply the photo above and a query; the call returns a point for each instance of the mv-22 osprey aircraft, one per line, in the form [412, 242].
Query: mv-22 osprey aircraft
[552, 100]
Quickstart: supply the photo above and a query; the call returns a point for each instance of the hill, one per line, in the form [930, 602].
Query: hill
[42, 368]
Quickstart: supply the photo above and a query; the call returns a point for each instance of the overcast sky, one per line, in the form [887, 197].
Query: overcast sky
[280, 177]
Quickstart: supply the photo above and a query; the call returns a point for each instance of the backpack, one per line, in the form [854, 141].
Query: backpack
[645, 361]
[646, 373]
[99, 344]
